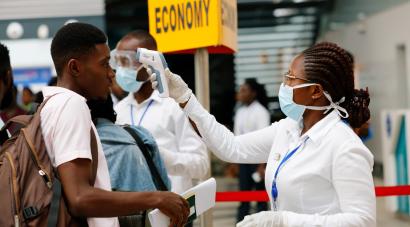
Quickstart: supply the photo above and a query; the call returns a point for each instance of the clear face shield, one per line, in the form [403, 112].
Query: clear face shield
[124, 59]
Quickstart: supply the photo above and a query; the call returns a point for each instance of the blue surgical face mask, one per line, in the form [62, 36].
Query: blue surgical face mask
[127, 79]
[295, 111]
[287, 105]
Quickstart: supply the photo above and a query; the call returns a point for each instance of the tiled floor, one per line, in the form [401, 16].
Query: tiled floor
[224, 214]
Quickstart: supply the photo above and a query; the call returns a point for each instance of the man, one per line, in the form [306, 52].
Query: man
[6, 83]
[80, 55]
[184, 154]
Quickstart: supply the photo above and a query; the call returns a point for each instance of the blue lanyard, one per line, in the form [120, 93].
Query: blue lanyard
[143, 114]
[287, 157]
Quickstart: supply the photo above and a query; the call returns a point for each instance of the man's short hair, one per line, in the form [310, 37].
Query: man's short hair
[74, 40]
[146, 39]
[4, 60]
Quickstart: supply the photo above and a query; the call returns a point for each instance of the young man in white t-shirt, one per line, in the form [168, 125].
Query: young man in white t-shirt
[81, 54]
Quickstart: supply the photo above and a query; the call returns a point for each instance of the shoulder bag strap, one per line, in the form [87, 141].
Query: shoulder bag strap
[159, 183]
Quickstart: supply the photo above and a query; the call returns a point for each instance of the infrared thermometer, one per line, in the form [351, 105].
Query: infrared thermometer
[156, 62]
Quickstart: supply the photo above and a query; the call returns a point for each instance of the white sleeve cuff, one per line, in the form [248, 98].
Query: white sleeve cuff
[67, 157]
[193, 109]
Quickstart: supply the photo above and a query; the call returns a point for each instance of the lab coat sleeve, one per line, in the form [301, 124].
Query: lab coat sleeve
[252, 147]
[353, 182]
[192, 158]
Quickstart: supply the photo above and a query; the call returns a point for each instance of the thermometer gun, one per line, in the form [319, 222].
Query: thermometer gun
[156, 62]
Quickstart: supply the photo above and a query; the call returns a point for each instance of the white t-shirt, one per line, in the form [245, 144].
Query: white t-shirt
[251, 118]
[66, 123]
[184, 154]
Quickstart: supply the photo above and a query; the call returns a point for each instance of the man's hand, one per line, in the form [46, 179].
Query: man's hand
[178, 89]
[84, 200]
[175, 207]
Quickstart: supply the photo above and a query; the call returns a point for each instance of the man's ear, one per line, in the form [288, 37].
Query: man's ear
[74, 67]
[317, 92]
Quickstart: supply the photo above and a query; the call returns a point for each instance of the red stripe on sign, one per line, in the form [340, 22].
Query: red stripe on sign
[262, 196]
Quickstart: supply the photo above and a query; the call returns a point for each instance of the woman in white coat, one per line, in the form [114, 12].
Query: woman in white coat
[318, 172]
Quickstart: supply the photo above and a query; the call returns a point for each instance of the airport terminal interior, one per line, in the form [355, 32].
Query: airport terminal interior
[246, 39]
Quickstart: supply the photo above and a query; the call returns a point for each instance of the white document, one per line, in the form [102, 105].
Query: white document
[204, 194]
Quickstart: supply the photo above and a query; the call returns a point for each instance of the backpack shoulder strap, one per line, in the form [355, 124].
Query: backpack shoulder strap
[159, 183]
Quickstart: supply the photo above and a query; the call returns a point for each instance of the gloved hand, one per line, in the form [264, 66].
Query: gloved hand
[177, 88]
[262, 219]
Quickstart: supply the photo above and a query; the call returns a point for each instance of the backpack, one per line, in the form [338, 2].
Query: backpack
[27, 176]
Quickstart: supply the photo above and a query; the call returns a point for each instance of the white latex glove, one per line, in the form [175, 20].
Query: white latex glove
[262, 219]
[177, 88]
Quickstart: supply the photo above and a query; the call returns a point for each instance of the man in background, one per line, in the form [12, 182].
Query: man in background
[184, 153]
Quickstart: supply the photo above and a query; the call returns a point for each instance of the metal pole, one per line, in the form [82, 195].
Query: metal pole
[202, 76]
[202, 93]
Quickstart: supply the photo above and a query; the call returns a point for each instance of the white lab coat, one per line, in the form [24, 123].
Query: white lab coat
[250, 118]
[328, 182]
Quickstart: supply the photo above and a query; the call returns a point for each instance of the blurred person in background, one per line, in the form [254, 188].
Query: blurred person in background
[252, 115]
[27, 99]
[319, 173]
[12, 109]
[6, 85]
[183, 152]
[6, 80]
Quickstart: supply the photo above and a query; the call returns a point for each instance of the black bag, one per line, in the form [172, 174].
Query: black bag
[140, 220]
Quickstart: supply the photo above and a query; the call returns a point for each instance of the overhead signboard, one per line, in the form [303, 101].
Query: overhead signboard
[183, 25]
[31, 75]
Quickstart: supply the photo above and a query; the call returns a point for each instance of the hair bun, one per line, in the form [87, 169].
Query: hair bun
[358, 107]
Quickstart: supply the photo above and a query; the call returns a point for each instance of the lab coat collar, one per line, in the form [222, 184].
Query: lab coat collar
[321, 128]
[130, 100]
[318, 130]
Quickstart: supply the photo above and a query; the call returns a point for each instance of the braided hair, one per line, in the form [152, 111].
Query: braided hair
[332, 67]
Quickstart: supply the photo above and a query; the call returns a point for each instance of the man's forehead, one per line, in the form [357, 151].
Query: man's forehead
[102, 50]
[129, 44]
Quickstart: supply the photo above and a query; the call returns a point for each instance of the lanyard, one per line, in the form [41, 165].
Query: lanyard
[143, 114]
[287, 157]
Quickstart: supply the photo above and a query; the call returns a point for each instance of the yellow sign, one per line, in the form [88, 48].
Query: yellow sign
[179, 25]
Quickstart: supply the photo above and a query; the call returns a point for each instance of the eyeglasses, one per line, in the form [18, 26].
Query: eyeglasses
[288, 78]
